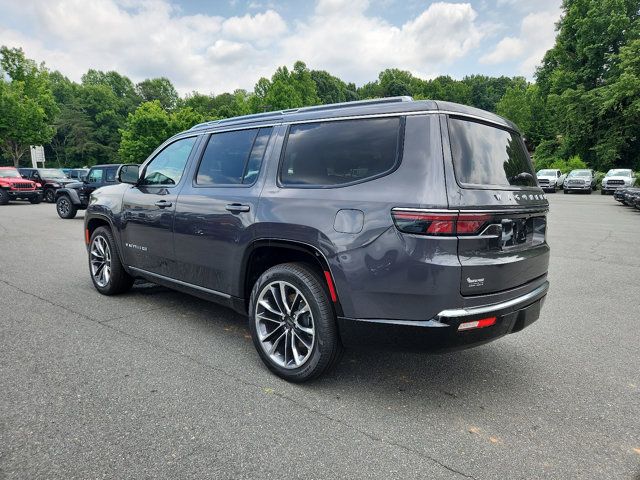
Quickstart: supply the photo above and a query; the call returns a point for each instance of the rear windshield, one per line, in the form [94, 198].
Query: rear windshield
[489, 156]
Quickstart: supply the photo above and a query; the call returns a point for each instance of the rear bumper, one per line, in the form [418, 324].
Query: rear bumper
[441, 332]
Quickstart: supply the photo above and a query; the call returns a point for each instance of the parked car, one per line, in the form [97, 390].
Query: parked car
[77, 173]
[338, 225]
[618, 193]
[616, 178]
[580, 181]
[51, 180]
[630, 195]
[14, 187]
[637, 202]
[550, 180]
[75, 196]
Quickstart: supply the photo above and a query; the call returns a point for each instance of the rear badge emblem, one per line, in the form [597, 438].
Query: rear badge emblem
[475, 282]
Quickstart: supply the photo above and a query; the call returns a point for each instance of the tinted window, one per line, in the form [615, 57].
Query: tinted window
[95, 175]
[111, 175]
[339, 152]
[232, 158]
[486, 155]
[167, 167]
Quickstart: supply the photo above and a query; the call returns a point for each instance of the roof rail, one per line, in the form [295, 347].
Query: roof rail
[356, 103]
[314, 108]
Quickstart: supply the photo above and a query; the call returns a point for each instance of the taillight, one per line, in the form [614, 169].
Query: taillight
[439, 224]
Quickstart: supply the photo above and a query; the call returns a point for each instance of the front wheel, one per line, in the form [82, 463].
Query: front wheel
[566, 192]
[293, 324]
[65, 208]
[107, 273]
[4, 197]
[35, 200]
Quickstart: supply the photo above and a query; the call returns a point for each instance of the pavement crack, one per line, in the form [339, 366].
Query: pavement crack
[246, 383]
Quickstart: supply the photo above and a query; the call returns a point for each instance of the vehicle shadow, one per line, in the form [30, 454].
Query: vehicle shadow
[372, 371]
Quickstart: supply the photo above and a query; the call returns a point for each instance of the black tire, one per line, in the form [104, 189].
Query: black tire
[327, 349]
[35, 200]
[65, 207]
[119, 281]
[602, 192]
[566, 192]
[4, 197]
[49, 195]
[589, 192]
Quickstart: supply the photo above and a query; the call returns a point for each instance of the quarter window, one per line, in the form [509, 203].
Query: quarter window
[233, 158]
[340, 152]
[167, 167]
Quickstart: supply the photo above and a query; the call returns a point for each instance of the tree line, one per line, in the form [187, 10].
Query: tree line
[582, 109]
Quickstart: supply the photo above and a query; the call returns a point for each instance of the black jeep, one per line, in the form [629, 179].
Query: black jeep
[75, 196]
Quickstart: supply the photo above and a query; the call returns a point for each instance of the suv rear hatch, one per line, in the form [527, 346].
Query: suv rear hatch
[491, 181]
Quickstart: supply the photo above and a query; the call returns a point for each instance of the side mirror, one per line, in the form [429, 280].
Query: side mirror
[129, 173]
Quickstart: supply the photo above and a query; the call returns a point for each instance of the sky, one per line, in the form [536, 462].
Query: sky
[215, 46]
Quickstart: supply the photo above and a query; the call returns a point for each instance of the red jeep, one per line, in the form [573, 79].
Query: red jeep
[14, 187]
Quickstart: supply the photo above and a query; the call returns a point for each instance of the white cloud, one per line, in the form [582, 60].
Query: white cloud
[340, 37]
[212, 53]
[537, 35]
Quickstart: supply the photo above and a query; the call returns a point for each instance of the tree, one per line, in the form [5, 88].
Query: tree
[149, 126]
[331, 89]
[160, 89]
[577, 79]
[287, 89]
[27, 105]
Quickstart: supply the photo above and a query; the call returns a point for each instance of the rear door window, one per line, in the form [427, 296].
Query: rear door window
[485, 155]
[233, 158]
[336, 153]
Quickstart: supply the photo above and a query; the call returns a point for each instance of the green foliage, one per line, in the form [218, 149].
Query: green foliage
[150, 125]
[331, 89]
[287, 89]
[160, 89]
[27, 104]
[589, 82]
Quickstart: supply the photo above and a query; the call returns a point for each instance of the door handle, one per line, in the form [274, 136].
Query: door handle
[163, 204]
[237, 207]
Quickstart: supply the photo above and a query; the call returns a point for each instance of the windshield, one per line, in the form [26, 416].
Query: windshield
[9, 173]
[484, 155]
[547, 173]
[51, 173]
[618, 173]
[580, 173]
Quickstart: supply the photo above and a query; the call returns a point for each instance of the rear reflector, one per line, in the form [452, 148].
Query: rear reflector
[484, 322]
[440, 224]
[332, 289]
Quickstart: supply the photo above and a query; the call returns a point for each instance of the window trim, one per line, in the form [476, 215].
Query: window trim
[396, 164]
[155, 154]
[208, 136]
[477, 186]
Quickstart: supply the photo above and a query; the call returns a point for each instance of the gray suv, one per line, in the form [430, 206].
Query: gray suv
[417, 224]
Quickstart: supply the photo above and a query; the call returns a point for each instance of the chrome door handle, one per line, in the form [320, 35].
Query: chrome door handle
[237, 207]
[163, 204]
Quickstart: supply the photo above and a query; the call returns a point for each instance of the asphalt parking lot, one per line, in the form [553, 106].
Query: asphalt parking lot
[155, 383]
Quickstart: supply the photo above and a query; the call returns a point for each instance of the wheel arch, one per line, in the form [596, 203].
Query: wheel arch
[263, 254]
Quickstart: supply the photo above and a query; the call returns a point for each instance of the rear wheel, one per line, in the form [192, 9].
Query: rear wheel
[65, 208]
[293, 323]
[107, 273]
[49, 195]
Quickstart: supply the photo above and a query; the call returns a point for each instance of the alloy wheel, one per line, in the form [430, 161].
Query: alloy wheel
[64, 207]
[285, 325]
[100, 261]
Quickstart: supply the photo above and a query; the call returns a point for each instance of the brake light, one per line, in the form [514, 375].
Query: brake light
[482, 323]
[440, 224]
